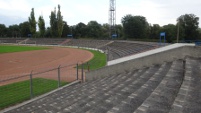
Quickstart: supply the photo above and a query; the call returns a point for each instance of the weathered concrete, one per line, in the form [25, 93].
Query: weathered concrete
[158, 56]
[143, 54]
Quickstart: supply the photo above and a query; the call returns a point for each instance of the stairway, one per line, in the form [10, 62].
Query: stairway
[173, 87]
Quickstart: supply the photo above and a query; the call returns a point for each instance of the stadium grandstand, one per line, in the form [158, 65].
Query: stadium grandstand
[115, 49]
[156, 80]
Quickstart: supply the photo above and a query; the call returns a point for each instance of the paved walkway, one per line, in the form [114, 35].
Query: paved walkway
[151, 52]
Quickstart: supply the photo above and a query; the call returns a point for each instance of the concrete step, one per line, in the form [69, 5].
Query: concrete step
[188, 99]
[164, 95]
[136, 98]
[117, 97]
[99, 92]
[111, 92]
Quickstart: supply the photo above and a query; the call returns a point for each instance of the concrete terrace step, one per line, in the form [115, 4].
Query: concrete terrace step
[172, 87]
[188, 99]
[163, 96]
[98, 94]
[110, 93]
[151, 52]
[117, 97]
[137, 97]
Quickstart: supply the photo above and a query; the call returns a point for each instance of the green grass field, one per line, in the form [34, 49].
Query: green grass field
[11, 49]
[99, 60]
[18, 92]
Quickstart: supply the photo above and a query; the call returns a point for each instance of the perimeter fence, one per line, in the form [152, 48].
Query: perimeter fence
[16, 89]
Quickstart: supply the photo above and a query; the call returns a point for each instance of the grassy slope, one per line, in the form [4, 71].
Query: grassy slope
[11, 49]
[98, 61]
[18, 92]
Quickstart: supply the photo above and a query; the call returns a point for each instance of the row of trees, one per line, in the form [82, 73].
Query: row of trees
[187, 28]
[56, 23]
[132, 27]
[29, 28]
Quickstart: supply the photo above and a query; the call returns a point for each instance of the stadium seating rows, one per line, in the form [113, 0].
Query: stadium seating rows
[11, 40]
[87, 43]
[172, 87]
[116, 49]
[44, 41]
[121, 49]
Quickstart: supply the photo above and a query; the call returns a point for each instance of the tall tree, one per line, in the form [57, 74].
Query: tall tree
[41, 25]
[81, 30]
[134, 26]
[66, 29]
[119, 30]
[94, 29]
[24, 29]
[170, 31]
[105, 30]
[14, 31]
[53, 23]
[47, 32]
[32, 22]
[155, 31]
[189, 24]
[2, 30]
[199, 30]
[60, 23]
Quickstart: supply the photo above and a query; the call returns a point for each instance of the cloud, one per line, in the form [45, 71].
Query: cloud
[75, 11]
[7, 20]
[14, 7]
[160, 11]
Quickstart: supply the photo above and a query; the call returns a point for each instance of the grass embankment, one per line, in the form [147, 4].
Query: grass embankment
[11, 48]
[99, 60]
[18, 92]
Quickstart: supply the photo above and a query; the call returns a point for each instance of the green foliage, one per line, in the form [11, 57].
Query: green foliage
[53, 23]
[94, 29]
[66, 29]
[56, 23]
[48, 32]
[2, 30]
[18, 92]
[32, 22]
[171, 32]
[80, 30]
[134, 26]
[119, 30]
[14, 31]
[199, 30]
[155, 31]
[59, 22]
[105, 30]
[11, 49]
[189, 25]
[41, 25]
[24, 29]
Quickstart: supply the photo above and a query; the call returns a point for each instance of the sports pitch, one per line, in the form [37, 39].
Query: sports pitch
[12, 48]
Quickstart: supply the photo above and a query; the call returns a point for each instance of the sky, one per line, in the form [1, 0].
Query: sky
[160, 12]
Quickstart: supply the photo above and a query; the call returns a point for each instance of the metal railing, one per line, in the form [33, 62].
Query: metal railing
[16, 89]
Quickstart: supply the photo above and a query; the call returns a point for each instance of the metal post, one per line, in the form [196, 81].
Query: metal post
[77, 71]
[59, 76]
[31, 85]
[178, 32]
[82, 73]
[108, 54]
[88, 66]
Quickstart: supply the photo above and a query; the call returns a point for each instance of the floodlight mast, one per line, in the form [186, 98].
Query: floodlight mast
[112, 18]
